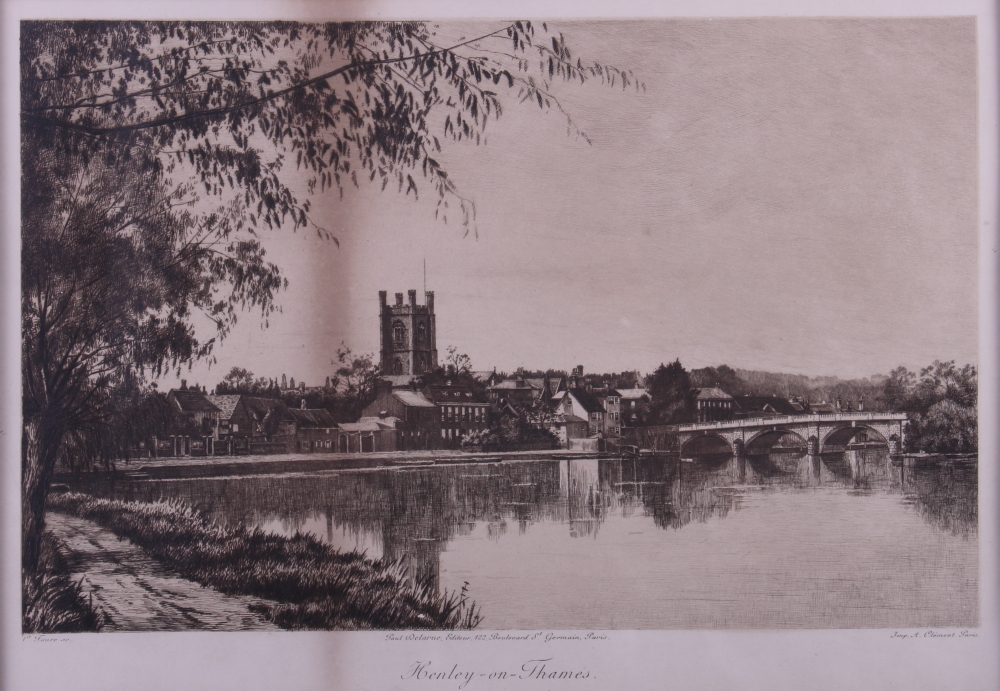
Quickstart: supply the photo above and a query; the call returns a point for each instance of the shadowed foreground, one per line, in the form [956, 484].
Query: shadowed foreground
[134, 592]
[310, 585]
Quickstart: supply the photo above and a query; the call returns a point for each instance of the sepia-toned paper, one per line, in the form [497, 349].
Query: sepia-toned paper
[920, 658]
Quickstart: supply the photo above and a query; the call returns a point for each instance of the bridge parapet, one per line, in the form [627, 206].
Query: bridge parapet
[792, 420]
[819, 433]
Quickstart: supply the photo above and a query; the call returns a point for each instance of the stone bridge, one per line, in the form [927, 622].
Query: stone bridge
[814, 433]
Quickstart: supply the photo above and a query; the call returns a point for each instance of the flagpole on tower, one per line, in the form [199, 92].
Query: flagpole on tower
[425, 275]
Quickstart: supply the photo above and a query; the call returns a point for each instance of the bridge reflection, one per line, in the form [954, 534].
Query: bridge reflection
[412, 515]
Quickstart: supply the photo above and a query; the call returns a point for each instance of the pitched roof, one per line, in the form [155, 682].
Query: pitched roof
[226, 404]
[822, 408]
[388, 422]
[193, 401]
[713, 393]
[260, 407]
[752, 404]
[633, 394]
[587, 400]
[515, 384]
[412, 399]
[363, 425]
[311, 417]
[399, 380]
[536, 382]
[482, 375]
[441, 393]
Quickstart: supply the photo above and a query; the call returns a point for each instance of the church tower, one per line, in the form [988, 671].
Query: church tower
[408, 334]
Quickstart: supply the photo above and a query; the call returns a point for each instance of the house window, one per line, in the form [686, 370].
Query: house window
[236, 427]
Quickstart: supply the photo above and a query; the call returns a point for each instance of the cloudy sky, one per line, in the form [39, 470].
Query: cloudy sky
[797, 195]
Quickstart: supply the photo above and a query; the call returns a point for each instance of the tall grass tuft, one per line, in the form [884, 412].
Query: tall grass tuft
[51, 601]
[314, 585]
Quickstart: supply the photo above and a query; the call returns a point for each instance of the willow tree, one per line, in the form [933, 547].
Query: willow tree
[153, 153]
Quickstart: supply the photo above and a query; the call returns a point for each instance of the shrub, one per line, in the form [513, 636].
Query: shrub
[51, 601]
[314, 585]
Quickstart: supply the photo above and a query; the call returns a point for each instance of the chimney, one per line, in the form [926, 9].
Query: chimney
[412, 296]
[302, 404]
[399, 299]
[184, 384]
[382, 297]
[429, 300]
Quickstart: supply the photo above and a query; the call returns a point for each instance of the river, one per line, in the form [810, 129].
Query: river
[787, 540]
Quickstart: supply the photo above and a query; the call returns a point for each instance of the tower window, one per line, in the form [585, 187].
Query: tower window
[399, 333]
[397, 366]
[421, 333]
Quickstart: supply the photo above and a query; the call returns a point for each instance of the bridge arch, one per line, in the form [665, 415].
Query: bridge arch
[763, 442]
[842, 436]
[706, 443]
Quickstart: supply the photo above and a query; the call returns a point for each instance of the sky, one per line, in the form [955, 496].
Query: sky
[793, 195]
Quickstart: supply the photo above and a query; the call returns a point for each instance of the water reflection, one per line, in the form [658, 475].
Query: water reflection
[415, 514]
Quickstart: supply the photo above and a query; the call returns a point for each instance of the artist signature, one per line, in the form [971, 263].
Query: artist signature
[931, 633]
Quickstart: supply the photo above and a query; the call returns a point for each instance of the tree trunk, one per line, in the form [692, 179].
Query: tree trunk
[38, 456]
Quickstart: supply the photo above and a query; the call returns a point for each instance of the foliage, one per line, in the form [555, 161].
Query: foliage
[723, 376]
[358, 375]
[52, 602]
[457, 372]
[343, 100]
[241, 381]
[480, 437]
[153, 153]
[316, 586]
[672, 399]
[112, 275]
[458, 363]
[942, 406]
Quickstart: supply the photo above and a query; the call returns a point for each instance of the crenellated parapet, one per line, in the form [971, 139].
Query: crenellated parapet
[408, 334]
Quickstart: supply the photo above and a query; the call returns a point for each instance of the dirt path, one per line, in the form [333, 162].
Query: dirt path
[140, 594]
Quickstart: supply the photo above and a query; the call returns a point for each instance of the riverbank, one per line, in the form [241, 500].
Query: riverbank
[216, 466]
[300, 582]
[134, 592]
[53, 600]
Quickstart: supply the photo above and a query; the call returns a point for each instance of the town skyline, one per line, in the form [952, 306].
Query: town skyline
[768, 202]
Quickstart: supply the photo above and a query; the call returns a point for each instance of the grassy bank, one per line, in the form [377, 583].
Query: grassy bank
[315, 586]
[51, 601]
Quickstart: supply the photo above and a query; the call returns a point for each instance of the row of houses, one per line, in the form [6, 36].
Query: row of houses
[714, 404]
[408, 415]
[402, 417]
